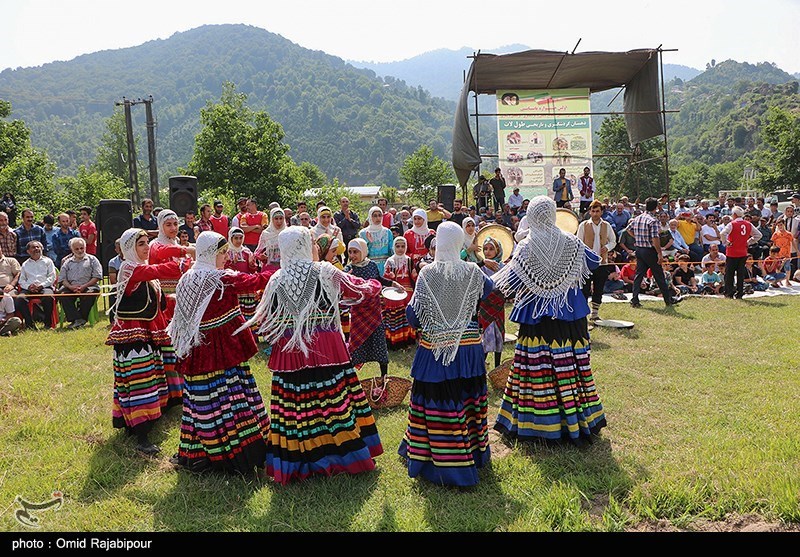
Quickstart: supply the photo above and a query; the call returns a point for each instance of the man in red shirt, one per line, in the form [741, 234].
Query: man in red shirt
[252, 223]
[737, 237]
[88, 230]
[219, 220]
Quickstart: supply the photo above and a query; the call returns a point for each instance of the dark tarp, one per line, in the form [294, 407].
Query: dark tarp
[636, 70]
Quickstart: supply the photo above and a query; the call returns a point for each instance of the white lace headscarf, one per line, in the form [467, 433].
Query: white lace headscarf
[447, 293]
[397, 261]
[421, 230]
[194, 292]
[300, 296]
[269, 237]
[547, 263]
[319, 229]
[235, 230]
[127, 245]
[163, 217]
[468, 238]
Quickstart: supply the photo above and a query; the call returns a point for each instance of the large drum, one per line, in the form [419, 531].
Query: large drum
[501, 234]
[567, 220]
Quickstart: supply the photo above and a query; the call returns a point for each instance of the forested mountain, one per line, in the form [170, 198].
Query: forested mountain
[353, 125]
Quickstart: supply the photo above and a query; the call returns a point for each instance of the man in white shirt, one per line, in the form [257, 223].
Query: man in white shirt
[710, 234]
[515, 199]
[586, 187]
[713, 256]
[36, 280]
[598, 235]
[79, 276]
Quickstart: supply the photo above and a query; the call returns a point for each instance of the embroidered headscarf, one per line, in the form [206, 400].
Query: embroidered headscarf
[163, 217]
[468, 238]
[231, 233]
[395, 260]
[423, 229]
[194, 292]
[447, 293]
[546, 264]
[269, 237]
[127, 245]
[301, 296]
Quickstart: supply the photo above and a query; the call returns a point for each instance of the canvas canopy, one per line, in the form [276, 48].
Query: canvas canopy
[636, 70]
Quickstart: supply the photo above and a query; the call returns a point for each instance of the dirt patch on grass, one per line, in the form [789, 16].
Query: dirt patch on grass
[732, 523]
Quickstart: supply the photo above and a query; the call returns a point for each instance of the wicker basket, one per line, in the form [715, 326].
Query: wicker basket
[499, 375]
[386, 392]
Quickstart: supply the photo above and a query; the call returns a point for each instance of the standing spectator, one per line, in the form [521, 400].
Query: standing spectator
[620, 218]
[498, 183]
[79, 274]
[482, 190]
[48, 223]
[458, 215]
[220, 222]
[303, 219]
[145, 221]
[188, 226]
[586, 187]
[36, 281]
[88, 230]
[562, 188]
[388, 219]
[436, 214]
[598, 236]
[204, 223]
[61, 239]
[417, 235]
[347, 221]
[73, 219]
[302, 207]
[379, 239]
[738, 235]
[8, 205]
[8, 238]
[727, 209]
[645, 230]
[785, 241]
[792, 225]
[28, 232]
[241, 205]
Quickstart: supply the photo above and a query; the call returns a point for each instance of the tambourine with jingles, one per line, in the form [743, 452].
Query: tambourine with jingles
[502, 235]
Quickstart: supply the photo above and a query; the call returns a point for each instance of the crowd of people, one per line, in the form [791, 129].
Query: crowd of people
[326, 291]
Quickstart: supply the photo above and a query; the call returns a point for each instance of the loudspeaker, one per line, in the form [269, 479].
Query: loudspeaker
[446, 195]
[114, 216]
[183, 194]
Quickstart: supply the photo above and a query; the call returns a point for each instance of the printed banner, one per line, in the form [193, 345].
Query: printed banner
[540, 132]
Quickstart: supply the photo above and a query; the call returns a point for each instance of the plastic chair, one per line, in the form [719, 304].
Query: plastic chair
[54, 317]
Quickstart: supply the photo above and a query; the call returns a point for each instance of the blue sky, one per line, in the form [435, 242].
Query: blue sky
[34, 32]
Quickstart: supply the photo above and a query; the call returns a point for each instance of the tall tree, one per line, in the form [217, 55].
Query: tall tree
[88, 187]
[241, 150]
[779, 164]
[113, 150]
[423, 172]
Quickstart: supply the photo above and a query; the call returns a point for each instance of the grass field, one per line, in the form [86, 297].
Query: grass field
[702, 409]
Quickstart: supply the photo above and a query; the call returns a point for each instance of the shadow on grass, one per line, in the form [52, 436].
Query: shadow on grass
[116, 462]
[668, 311]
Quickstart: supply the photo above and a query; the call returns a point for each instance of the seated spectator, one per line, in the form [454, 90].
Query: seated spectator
[710, 234]
[760, 249]
[9, 323]
[652, 286]
[753, 278]
[710, 280]
[626, 247]
[80, 274]
[628, 274]
[9, 273]
[683, 277]
[713, 256]
[774, 266]
[678, 243]
[36, 280]
[614, 285]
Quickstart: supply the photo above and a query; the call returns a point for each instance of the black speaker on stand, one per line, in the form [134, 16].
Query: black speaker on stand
[447, 195]
[183, 194]
[114, 216]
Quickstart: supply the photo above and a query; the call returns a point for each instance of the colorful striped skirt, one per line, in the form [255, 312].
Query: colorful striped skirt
[398, 330]
[550, 393]
[174, 379]
[141, 389]
[247, 305]
[320, 424]
[224, 424]
[447, 438]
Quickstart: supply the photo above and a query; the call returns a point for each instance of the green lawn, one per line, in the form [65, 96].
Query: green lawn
[701, 402]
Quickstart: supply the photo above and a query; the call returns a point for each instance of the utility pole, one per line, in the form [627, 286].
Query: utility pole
[131, 152]
[151, 148]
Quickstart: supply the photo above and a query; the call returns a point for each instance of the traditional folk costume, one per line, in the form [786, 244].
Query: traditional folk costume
[268, 242]
[400, 269]
[550, 393]
[416, 236]
[469, 240]
[161, 251]
[144, 383]
[336, 233]
[329, 246]
[321, 422]
[492, 310]
[367, 341]
[241, 259]
[224, 424]
[379, 240]
[447, 437]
